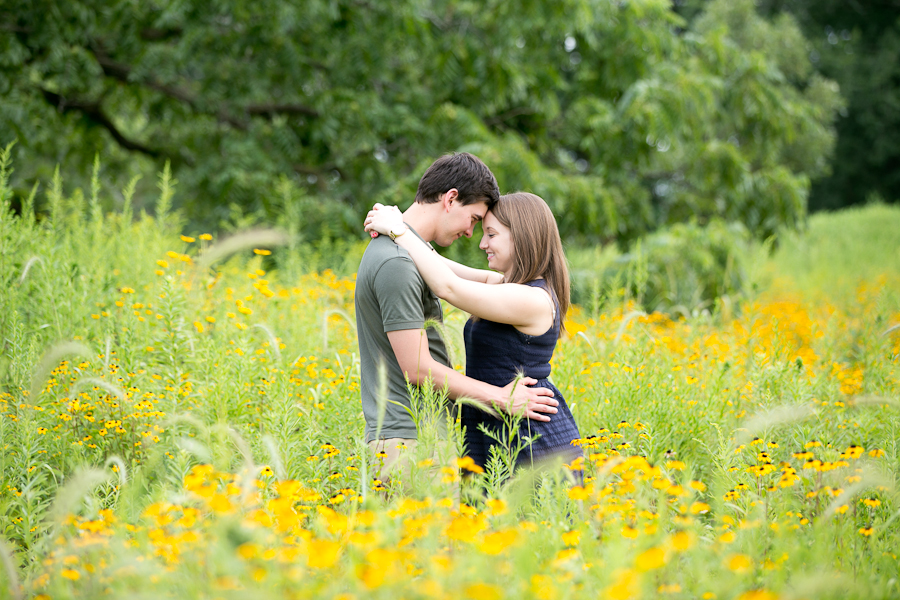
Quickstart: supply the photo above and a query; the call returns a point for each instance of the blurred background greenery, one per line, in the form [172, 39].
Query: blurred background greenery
[671, 140]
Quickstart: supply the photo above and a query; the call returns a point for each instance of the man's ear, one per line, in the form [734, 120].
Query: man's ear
[449, 196]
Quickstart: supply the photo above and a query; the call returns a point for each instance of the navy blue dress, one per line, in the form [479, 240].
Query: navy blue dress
[496, 353]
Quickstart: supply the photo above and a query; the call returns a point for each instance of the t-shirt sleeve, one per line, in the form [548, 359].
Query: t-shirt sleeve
[399, 289]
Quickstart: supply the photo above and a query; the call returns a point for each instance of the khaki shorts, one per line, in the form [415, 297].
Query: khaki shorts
[397, 458]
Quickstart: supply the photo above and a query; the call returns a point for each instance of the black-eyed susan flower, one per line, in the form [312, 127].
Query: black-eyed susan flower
[467, 463]
[681, 541]
[651, 559]
[577, 492]
[571, 538]
[757, 595]
[496, 506]
[739, 563]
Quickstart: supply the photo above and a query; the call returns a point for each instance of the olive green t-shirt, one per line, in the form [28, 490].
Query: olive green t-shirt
[391, 296]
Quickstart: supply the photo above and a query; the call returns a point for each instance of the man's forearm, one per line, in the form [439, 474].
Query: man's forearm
[458, 385]
[414, 359]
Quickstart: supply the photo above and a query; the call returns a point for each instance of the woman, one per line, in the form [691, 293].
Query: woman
[516, 313]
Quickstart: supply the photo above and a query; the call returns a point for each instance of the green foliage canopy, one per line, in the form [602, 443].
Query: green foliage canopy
[857, 45]
[618, 113]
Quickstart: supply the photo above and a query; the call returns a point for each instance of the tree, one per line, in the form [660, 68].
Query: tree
[620, 115]
[855, 44]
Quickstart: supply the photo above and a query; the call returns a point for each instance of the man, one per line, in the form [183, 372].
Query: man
[393, 304]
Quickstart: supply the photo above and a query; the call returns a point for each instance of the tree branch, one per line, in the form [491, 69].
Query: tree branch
[94, 112]
[515, 112]
[152, 34]
[122, 72]
[14, 28]
[320, 172]
[270, 110]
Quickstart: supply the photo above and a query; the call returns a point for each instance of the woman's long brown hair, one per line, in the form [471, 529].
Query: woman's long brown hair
[537, 248]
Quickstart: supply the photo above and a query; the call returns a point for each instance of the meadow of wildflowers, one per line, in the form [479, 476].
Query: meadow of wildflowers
[181, 421]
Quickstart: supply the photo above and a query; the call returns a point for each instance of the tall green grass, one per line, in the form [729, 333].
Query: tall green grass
[837, 251]
[242, 356]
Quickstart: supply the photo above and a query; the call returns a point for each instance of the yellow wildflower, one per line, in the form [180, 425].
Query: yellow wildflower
[651, 559]
[739, 563]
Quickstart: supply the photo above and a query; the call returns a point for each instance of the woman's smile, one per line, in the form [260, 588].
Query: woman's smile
[497, 244]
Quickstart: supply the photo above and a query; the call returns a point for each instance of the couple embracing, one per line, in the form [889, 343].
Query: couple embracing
[517, 311]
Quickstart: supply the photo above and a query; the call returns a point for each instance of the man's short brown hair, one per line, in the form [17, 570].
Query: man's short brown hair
[463, 171]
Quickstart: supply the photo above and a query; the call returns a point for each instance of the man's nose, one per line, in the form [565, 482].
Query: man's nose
[470, 231]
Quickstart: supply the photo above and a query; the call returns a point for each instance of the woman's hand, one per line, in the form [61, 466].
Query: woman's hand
[384, 219]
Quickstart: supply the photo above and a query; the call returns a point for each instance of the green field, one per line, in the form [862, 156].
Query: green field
[180, 418]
